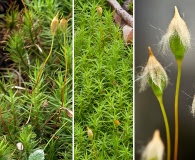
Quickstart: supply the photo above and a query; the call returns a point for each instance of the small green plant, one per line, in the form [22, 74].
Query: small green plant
[5, 149]
[31, 110]
[28, 140]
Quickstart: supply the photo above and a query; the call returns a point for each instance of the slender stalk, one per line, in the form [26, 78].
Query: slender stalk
[54, 135]
[66, 72]
[42, 67]
[116, 149]
[14, 115]
[166, 126]
[101, 31]
[94, 149]
[179, 64]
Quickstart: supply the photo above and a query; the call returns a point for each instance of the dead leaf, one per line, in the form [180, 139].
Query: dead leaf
[69, 112]
[128, 34]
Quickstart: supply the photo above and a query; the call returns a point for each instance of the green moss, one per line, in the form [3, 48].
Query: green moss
[103, 85]
[26, 45]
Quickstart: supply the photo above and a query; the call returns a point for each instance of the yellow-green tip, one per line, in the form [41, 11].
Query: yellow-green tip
[63, 25]
[54, 24]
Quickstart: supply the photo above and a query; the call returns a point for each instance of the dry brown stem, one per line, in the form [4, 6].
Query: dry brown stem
[121, 12]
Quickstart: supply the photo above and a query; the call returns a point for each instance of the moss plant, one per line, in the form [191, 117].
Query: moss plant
[63, 27]
[53, 29]
[103, 85]
[5, 149]
[36, 120]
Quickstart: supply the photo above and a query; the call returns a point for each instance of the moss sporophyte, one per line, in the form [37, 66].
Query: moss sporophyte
[54, 24]
[99, 10]
[89, 133]
[178, 38]
[63, 28]
[53, 29]
[154, 149]
[63, 25]
[155, 75]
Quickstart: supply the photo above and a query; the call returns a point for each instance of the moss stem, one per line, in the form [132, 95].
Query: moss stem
[101, 33]
[42, 67]
[94, 149]
[179, 64]
[54, 136]
[66, 71]
[166, 126]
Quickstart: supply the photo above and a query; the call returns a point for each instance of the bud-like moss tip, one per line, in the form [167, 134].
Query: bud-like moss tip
[157, 133]
[90, 133]
[63, 24]
[54, 24]
[99, 10]
[57, 14]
